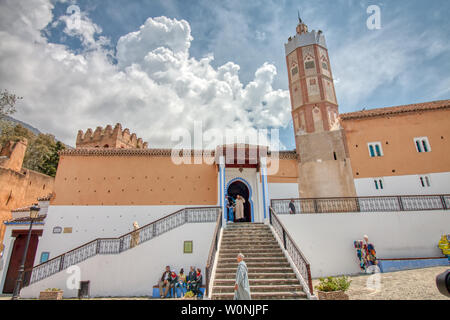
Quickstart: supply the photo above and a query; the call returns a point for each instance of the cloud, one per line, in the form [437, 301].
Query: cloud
[156, 88]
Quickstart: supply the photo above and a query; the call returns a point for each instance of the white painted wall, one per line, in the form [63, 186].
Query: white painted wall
[283, 190]
[404, 185]
[135, 271]
[91, 222]
[327, 239]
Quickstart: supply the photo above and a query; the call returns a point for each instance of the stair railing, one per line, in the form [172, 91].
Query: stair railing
[212, 252]
[364, 204]
[299, 259]
[107, 246]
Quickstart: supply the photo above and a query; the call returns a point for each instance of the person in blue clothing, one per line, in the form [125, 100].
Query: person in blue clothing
[230, 208]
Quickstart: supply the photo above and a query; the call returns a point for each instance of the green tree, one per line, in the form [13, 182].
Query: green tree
[42, 151]
[51, 159]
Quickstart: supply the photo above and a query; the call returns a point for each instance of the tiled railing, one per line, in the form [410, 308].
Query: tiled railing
[299, 259]
[364, 204]
[117, 245]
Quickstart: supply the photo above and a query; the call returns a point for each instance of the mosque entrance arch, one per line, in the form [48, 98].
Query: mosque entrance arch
[239, 187]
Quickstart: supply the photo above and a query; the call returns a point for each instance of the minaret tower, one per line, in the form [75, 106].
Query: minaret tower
[324, 164]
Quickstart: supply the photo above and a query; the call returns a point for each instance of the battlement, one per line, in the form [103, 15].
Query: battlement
[109, 138]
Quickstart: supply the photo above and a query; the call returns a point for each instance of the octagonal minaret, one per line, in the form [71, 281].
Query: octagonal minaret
[324, 164]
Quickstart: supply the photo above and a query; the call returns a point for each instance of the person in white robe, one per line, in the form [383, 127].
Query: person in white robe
[242, 285]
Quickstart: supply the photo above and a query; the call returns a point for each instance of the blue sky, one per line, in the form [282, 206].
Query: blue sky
[406, 61]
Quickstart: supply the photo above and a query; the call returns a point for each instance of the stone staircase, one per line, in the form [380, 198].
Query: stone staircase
[270, 275]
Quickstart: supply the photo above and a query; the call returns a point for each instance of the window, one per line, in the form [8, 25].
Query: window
[310, 65]
[188, 247]
[294, 71]
[375, 149]
[424, 181]
[324, 65]
[44, 257]
[379, 185]
[422, 144]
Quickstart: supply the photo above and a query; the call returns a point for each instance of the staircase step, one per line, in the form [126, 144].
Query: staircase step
[258, 282]
[298, 295]
[250, 236]
[257, 276]
[249, 252]
[263, 254]
[254, 270]
[252, 265]
[250, 260]
[263, 288]
[251, 243]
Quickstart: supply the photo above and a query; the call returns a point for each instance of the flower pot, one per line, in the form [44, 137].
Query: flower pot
[332, 295]
[51, 295]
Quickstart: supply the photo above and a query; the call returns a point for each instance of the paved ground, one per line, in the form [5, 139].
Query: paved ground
[419, 284]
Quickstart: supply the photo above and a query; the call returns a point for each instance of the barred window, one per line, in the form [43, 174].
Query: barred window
[375, 149]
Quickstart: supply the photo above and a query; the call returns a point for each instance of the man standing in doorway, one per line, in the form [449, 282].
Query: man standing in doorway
[240, 208]
[242, 285]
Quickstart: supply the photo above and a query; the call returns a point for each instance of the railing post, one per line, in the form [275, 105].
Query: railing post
[270, 216]
[185, 216]
[97, 249]
[284, 239]
[444, 204]
[121, 245]
[400, 203]
[316, 209]
[61, 262]
[154, 230]
[358, 207]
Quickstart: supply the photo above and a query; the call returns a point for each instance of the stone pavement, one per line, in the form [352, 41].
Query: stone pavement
[418, 284]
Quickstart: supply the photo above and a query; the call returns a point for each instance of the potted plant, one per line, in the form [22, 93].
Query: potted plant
[333, 288]
[51, 294]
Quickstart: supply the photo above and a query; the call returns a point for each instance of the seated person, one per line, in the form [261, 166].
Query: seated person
[173, 279]
[181, 283]
[190, 278]
[164, 283]
[197, 283]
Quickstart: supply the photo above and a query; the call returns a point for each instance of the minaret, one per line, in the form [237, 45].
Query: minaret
[324, 164]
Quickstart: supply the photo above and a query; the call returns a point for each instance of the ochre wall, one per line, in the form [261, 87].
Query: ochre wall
[396, 134]
[133, 180]
[287, 172]
[22, 189]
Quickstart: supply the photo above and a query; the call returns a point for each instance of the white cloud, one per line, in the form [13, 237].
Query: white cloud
[155, 89]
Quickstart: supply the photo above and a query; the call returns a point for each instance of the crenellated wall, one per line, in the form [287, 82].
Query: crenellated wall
[109, 138]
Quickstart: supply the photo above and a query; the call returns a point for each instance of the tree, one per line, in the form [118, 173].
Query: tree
[51, 159]
[42, 150]
[7, 103]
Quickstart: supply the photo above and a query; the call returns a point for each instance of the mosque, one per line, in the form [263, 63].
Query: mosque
[373, 159]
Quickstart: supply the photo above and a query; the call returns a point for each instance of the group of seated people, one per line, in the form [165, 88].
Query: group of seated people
[187, 283]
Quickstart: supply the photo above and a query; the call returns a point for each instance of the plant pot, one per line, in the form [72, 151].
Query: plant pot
[332, 295]
[51, 295]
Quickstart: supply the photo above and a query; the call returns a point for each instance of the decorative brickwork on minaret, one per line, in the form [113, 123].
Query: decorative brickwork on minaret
[109, 138]
[320, 141]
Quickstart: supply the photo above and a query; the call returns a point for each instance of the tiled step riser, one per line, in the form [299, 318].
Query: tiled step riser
[220, 270]
[251, 266]
[252, 243]
[230, 289]
[264, 296]
[252, 260]
[259, 282]
[257, 276]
